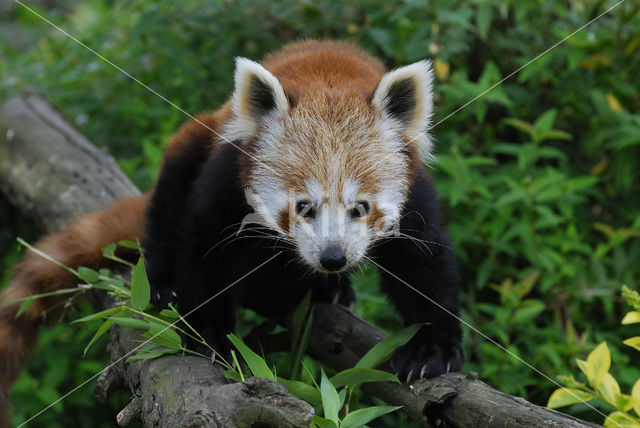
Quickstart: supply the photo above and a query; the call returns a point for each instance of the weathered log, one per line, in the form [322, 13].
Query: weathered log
[51, 172]
[340, 338]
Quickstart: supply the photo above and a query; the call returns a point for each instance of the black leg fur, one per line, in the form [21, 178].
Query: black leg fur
[427, 263]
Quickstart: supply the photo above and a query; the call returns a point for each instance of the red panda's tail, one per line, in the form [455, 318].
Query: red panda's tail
[80, 244]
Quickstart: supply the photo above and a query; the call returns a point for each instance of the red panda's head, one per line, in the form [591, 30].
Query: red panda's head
[330, 166]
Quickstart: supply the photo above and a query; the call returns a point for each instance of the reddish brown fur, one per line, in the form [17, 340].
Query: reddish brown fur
[305, 78]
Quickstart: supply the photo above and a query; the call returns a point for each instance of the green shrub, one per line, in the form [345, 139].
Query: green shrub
[539, 177]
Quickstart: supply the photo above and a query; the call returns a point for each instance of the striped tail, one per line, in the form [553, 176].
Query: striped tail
[79, 244]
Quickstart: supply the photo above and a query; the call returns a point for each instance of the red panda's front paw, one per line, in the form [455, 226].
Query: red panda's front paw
[426, 360]
[160, 297]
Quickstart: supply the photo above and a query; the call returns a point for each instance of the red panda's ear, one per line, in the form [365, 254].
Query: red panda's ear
[405, 96]
[257, 95]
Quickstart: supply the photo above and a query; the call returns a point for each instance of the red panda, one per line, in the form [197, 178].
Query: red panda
[324, 151]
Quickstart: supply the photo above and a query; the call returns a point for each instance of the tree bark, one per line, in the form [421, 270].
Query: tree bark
[51, 172]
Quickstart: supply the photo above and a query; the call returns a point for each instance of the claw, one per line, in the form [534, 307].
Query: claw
[448, 367]
[174, 294]
[410, 376]
[158, 295]
[423, 371]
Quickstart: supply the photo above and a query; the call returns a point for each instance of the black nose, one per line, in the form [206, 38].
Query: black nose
[333, 259]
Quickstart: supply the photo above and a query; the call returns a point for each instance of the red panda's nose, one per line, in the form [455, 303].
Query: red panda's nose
[333, 259]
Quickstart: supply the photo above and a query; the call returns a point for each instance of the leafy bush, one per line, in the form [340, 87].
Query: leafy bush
[601, 384]
[538, 177]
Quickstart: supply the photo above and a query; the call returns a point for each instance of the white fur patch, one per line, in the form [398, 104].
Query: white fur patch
[422, 75]
[244, 125]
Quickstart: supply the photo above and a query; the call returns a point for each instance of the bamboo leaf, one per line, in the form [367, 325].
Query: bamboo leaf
[330, 399]
[360, 417]
[164, 335]
[147, 355]
[99, 315]
[140, 290]
[88, 274]
[25, 305]
[256, 363]
[303, 391]
[358, 375]
[323, 422]
[101, 330]
[382, 350]
[130, 322]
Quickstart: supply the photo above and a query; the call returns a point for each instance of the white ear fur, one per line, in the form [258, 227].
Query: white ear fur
[257, 94]
[405, 96]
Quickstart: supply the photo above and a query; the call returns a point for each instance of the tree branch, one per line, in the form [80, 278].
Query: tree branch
[50, 172]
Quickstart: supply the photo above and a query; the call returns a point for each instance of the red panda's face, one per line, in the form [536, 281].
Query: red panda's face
[330, 174]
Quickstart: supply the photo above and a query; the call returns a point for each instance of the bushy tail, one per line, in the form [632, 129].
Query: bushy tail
[79, 244]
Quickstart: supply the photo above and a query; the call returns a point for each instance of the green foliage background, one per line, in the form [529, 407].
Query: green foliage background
[539, 177]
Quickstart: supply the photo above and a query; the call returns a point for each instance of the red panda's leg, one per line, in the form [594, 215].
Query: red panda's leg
[80, 244]
[427, 264]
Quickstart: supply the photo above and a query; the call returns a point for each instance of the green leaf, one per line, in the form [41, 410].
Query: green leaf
[358, 375]
[130, 322]
[599, 362]
[619, 419]
[484, 17]
[164, 335]
[256, 363]
[634, 342]
[554, 134]
[382, 350]
[234, 375]
[384, 39]
[109, 250]
[546, 120]
[584, 367]
[323, 422]
[99, 315]
[169, 313]
[330, 399]
[360, 417]
[631, 317]
[87, 274]
[520, 125]
[128, 244]
[303, 391]
[562, 397]
[635, 393]
[25, 305]
[147, 355]
[609, 389]
[101, 330]
[140, 290]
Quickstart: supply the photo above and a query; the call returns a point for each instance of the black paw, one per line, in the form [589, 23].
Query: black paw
[426, 359]
[161, 297]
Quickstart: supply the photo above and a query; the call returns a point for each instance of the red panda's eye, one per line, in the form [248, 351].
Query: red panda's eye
[305, 209]
[360, 209]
